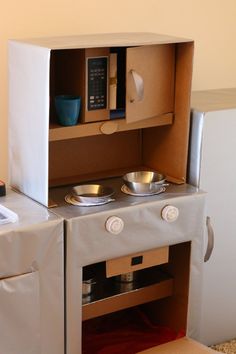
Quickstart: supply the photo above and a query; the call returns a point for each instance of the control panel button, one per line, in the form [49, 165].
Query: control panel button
[97, 83]
[170, 213]
[114, 225]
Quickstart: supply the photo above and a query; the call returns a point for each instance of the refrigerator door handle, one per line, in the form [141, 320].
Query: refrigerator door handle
[210, 243]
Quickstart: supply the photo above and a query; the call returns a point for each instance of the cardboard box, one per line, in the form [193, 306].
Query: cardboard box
[153, 135]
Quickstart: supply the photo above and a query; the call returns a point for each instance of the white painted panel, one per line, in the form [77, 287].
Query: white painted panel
[29, 119]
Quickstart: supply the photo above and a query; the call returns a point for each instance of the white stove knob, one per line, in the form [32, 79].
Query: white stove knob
[114, 225]
[170, 213]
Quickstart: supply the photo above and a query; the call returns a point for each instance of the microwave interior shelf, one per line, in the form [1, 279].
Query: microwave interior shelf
[58, 132]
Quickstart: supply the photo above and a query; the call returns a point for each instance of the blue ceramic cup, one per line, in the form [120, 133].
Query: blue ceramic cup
[68, 109]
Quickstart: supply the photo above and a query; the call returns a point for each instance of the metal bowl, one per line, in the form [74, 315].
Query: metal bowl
[144, 181]
[88, 286]
[92, 193]
[126, 277]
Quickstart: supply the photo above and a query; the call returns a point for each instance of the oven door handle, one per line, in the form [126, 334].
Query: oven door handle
[210, 243]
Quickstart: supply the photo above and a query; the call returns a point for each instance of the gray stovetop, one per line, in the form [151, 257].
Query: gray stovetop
[122, 200]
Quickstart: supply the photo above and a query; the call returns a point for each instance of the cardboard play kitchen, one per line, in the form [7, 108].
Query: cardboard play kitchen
[134, 115]
[146, 127]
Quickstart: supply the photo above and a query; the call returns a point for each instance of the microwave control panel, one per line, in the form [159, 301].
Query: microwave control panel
[97, 83]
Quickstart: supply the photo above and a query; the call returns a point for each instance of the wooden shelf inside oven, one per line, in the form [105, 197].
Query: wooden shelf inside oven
[118, 296]
[58, 132]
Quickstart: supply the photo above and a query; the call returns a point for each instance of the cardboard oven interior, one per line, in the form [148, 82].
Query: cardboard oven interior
[151, 134]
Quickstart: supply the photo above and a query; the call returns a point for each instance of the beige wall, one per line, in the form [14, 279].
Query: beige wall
[211, 23]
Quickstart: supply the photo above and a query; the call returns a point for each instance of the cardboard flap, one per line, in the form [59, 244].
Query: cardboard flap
[183, 346]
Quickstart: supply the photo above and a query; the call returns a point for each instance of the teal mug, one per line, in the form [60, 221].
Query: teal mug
[68, 109]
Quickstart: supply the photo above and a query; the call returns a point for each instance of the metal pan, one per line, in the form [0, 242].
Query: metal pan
[88, 286]
[92, 193]
[144, 181]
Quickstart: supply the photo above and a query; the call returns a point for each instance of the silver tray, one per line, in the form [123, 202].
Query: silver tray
[70, 199]
[126, 190]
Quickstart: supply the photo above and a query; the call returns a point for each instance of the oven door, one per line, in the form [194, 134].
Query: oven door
[183, 346]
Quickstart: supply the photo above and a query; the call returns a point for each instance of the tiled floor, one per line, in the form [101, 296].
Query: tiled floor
[226, 347]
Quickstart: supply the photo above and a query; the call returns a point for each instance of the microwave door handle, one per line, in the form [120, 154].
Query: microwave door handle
[210, 243]
[139, 85]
